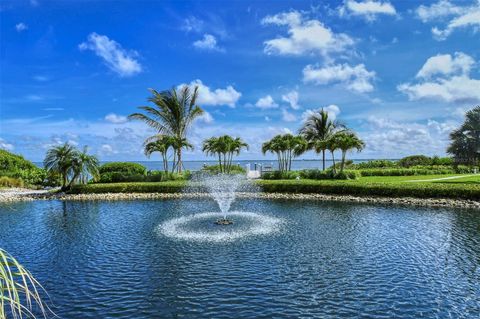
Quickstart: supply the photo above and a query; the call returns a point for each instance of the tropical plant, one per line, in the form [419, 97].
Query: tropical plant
[345, 141]
[59, 160]
[160, 144]
[286, 147]
[225, 147]
[465, 141]
[84, 166]
[172, 114]
[20, 292]
[317, 129]
[331, 144]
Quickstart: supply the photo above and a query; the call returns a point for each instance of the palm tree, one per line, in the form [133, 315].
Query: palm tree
[345, 141]
[161, 144]
[19, 290]
[59, 160]
[317, 129]
[225, 147]
[465, 145]
[286, 147]
[84, 166]
[172, 114]
[331, 144]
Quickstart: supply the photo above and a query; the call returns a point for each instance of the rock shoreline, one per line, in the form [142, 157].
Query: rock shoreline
[409, 201]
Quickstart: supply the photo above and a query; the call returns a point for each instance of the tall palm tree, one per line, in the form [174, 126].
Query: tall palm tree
[331, 144]
[234, 147]
[59, 160]
[20, 292]
[161, 144]
[172, 114]
[84, 166]
[212, 146]
[179, 143]
[317, 129]
[345, 141]
[225, 147]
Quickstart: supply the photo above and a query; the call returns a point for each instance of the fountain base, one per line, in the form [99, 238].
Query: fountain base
[223, 221]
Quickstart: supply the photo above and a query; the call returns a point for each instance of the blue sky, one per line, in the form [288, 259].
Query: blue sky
[400, 73]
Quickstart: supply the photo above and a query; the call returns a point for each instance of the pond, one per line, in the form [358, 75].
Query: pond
[282, 259]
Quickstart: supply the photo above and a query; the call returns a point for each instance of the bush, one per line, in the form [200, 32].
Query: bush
[406, 172]
[374, 164]
[215, 169]
[162, 187]
[6, 181]
[347, 175]
[445, 161]
[415, 160]
[280, 175]
[316, 174]
[126, 168]
[16, 167]
[418, 190]
[151, 176]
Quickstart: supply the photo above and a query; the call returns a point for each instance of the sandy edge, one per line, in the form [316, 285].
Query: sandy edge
[29, 195]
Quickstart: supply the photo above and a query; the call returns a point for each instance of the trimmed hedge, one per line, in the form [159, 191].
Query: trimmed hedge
[405, 172]
[162, 187]
[418, 190]
[127, 168]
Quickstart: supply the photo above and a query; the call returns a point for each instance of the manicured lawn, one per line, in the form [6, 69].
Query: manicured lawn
[399, 179]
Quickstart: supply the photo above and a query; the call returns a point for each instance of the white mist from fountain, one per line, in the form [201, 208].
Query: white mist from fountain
[222, 188]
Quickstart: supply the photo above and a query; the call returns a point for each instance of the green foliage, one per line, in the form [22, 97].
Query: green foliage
[281, 175]
[310, 174]
[150, 176]
[418, 190]
[10, 182]
[16, 167]
[414, 160]
[465, 141]
[127, 168]
[215, 169]
[445, 161]
[373, 164]
[408, 171]
[161, 187]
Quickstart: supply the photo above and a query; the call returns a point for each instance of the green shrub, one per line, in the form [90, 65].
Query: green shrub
[316, 174]
[215, 169]
[405, 172]
[6, 181]
[126, 168]
[418, 190]
[280, 175]
[415, 160]
[16, 167]
[445, 161]
[347, 175]
[374, 164]
[162, 187]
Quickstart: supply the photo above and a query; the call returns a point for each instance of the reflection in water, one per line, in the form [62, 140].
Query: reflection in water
[329, 260]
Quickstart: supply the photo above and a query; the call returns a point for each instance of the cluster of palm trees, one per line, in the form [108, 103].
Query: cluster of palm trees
[224, 147]
[286, 147]
[171, 116]
[71, 165]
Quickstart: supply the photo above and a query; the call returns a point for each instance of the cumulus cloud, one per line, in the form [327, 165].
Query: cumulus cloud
[266, 102]
[332, 110]
[355, 78]
[445, 78]
[115, 118]
[206, 96]
[304, 36]
[460, 17]
[21, 27]
[208, 43]
[117, 59]
[292, 99]
[445, 64]
[287, 116]
[5, 146]
[206, 118]
[368, 9]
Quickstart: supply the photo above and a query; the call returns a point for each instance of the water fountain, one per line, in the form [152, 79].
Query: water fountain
[202, 226]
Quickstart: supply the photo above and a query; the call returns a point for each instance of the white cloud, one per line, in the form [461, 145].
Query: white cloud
[206, 118]
[332, 110]
[440, 9]
[368, 9]
[266, 102]
[228, 96]
[292, 99]
[107, 149]
[356, 78]
[459, 17]
[5, 146]
[445, 64]
[21, 27]
[116, 58]
[445, 78]
[287, 116]
[304, 36]
[192, 24]
[115, 118]
[208, 42]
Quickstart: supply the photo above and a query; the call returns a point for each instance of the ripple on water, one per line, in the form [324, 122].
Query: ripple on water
[201, 227]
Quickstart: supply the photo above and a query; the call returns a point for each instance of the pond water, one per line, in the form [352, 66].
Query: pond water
[280, 259]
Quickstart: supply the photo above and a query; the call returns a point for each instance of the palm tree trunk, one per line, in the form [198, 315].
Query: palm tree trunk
[323, 159]
[179, 160]
[333, 160]
[344, 152]
[174, 164]
[220, 162]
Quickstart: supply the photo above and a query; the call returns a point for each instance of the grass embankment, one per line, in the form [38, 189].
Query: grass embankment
[467, 187]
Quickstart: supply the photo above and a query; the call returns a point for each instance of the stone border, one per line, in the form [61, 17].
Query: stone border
[409, 201]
